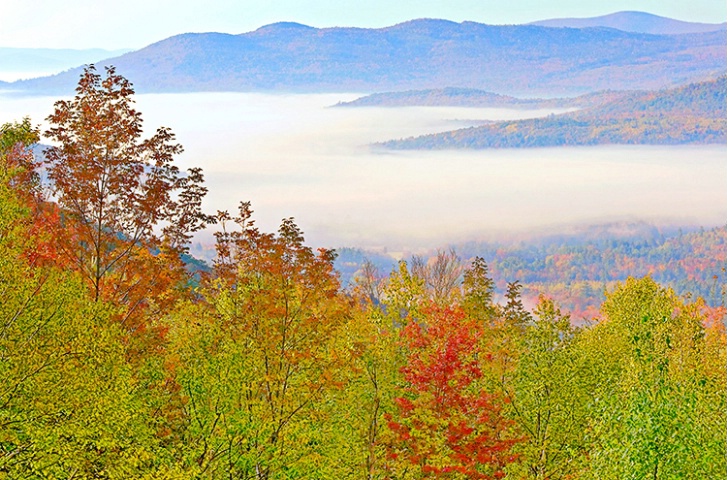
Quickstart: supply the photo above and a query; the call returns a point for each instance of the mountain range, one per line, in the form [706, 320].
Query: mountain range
[419, 54]
[693, 113]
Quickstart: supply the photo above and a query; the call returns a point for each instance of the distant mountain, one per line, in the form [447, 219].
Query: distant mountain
[420, 54]
[469, 97]
[695, 113]
[32, 62]
[638, 22]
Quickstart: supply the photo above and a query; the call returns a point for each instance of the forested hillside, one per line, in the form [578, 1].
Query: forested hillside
[578, 274]
[691, 114]
[118, 362]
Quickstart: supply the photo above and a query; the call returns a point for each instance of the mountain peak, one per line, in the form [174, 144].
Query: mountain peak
[282, 28]
[634, 21]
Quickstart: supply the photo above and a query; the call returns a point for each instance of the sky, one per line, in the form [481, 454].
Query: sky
[133, 24]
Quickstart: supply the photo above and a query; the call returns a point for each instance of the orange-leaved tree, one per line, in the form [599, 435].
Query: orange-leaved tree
[128, 211]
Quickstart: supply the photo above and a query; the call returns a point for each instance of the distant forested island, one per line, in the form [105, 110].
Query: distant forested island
[691, 114]
[472, 97]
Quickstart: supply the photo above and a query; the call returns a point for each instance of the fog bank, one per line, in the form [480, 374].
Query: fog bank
[290, 155]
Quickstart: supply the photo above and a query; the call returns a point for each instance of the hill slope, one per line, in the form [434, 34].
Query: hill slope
[695, 113]
[420, 54]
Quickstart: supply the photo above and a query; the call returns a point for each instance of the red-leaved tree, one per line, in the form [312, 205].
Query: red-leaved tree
[446, 424]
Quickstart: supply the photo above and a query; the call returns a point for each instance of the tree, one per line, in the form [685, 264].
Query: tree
[548, 398]
[374, 379]
[21, 182]
[68, 404]
[446, 424]
[18, 161]
[255, 367]
[404, 294]
[477, 292]
[658, 407]
[122, 198]
[514, 312]
[441, 275]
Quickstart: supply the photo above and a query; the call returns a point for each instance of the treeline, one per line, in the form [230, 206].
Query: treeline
[116, 362]
[576, 270]
[577, 275]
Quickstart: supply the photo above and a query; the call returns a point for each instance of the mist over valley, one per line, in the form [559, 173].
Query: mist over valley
[293, 155]
[336, 171]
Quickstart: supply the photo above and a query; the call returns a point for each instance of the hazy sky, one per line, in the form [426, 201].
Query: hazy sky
[137, 23]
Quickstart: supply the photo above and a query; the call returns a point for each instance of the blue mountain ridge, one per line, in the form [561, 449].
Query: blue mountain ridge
[418, 54]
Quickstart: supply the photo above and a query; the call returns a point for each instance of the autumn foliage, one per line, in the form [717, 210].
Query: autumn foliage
[119, 360]
[447, 424]
[128, 211]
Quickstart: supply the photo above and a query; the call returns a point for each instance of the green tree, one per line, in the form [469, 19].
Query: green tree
[478, 292]
[548, 398]
[659, 408]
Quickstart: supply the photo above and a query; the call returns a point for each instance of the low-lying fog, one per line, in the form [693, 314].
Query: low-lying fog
[290, 155]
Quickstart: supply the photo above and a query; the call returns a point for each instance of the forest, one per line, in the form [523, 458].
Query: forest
[120, 360]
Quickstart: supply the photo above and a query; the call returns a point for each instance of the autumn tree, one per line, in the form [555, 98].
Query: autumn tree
[447, 425]
[68, 403]
[258, 361]
[128, 211]
[19, 166]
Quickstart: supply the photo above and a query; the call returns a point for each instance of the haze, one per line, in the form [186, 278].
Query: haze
[291, 155]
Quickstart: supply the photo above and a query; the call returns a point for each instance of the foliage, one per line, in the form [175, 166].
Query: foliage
[658, 408]
[446, 424]
[116, 190]
[264, 353]
[68, 403]
[548, 396]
